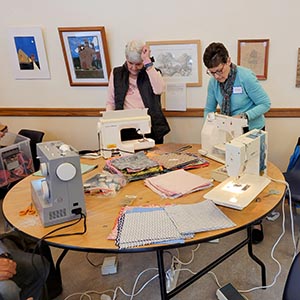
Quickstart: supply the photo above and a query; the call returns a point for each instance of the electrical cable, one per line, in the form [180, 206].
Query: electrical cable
[133, 293]
[86, 294]
[82, 215]
[90, 262]
[279, 239]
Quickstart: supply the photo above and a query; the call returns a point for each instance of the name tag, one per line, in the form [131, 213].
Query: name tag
[237, 90]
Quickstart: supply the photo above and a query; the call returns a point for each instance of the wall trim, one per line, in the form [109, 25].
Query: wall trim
[95, 112]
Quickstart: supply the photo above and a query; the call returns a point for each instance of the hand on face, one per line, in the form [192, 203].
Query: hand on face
[7, 268]
[145, 56]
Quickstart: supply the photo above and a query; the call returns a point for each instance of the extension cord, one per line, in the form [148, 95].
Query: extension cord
[172, 276]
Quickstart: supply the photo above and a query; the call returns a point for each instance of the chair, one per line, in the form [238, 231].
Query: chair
[292, 175]
[291, 288]
[35, 138]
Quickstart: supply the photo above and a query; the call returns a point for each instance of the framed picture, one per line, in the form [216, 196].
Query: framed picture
[179, 61]
[254, 54]
[298, 70]
[86, 55]
[28, 53]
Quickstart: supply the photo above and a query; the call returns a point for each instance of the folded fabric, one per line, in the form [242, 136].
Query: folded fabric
[138, 226]
[175, 160]
[134, 167]
[177, 183]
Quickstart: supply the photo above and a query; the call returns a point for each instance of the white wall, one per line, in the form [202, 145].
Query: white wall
[225, 21]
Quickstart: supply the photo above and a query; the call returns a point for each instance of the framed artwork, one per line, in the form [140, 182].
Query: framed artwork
[86, 55]
[28, 53]
[254, 54]
[298, 70]
[179, 61]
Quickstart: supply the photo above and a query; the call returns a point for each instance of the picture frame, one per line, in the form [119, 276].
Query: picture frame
[254, 54]
[86, 55]
[28, 54]
[179, 61]
[298, 69]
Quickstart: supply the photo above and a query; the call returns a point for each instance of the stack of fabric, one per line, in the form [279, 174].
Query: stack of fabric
[174, 160]
[134, 167]
[139, 226]
[177, 183]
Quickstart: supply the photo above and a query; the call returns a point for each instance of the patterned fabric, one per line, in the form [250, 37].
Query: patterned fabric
[134, 163]
[175, 160]
[134, 167]
[227, 89]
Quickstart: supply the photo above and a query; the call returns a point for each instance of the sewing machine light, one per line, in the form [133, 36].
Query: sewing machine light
[233, 200]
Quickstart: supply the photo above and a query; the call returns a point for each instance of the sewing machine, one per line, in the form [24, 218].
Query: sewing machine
[217, 131]
[247, 154]
[109, 130]
[246, 166]
[59, 197]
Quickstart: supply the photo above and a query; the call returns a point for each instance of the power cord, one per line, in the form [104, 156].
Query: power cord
[133, 293]
[275, 244]
[279, 239]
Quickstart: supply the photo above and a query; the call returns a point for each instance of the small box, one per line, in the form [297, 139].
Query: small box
[15, 158]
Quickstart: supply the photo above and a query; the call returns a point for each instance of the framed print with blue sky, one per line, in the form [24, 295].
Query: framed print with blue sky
[27, 50]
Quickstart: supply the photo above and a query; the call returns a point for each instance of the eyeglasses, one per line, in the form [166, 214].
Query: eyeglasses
[218, 72]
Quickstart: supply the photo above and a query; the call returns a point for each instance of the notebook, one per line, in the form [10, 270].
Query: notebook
[239, 193]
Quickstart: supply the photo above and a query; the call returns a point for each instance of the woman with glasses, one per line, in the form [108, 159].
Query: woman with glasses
[233, 88]
[137, 84]
[238, 93]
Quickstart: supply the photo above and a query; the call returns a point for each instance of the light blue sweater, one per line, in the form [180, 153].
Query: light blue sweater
[248, 97]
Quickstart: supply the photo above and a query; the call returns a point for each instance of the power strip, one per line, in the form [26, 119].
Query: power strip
[172, 276]
[228, 292]
[109, 265]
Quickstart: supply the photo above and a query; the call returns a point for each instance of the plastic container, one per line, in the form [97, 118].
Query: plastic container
[15, 158]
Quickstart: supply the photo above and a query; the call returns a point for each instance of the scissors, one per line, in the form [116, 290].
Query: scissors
[28, 211]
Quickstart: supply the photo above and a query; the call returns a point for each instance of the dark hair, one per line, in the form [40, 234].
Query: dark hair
[215, 54]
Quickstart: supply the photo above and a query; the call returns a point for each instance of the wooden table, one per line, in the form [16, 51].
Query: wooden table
[103, 211]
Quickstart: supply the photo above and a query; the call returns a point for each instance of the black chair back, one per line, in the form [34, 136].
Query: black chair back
[35, 137]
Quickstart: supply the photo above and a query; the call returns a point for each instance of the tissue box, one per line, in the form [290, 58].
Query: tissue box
[15, 158]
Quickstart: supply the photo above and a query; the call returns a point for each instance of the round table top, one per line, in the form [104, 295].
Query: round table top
[102, 212]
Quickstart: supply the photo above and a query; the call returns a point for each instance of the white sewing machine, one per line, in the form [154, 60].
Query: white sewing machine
[246, 164]
[109, 130]
[217, 131]
[247, 154]
[59, 196]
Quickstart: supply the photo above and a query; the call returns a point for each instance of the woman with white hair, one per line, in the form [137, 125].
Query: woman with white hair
[138, 84]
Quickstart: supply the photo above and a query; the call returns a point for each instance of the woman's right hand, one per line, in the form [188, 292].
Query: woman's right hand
[7, 268]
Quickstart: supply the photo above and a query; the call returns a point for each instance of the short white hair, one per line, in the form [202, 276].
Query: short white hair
[133, 51]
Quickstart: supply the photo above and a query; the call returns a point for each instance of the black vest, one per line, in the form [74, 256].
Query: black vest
[160, 126]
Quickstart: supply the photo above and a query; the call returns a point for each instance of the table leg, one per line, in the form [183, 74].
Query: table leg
[255, 258]
[58, 262]
[162, 274]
